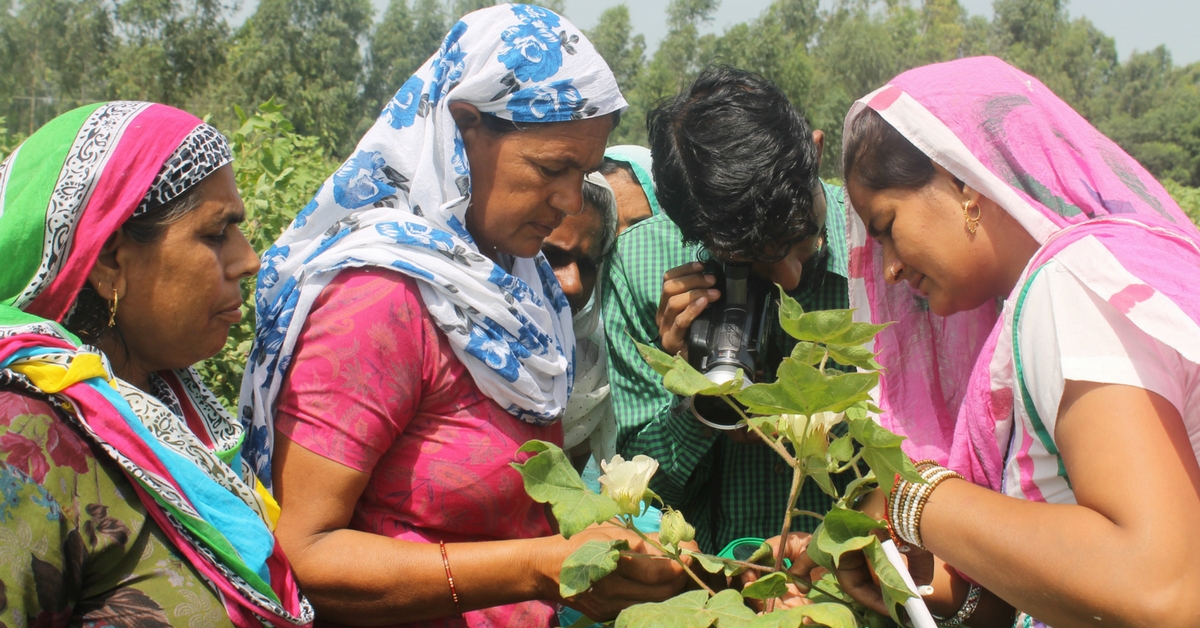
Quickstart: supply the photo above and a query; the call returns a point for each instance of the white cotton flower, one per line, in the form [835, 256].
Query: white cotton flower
[808, 432]
[627, 481]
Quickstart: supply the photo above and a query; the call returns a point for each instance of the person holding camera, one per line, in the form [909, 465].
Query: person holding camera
[735, 166]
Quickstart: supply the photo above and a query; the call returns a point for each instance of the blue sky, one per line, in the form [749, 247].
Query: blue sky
[1174, 23]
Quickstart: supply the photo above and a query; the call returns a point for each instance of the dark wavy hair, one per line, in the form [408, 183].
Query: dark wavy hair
[877, 156]
[735, 165]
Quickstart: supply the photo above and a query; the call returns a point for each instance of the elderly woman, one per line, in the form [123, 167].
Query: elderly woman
[412, 337]
[125, 498]
[1046, 350]
[576, 251]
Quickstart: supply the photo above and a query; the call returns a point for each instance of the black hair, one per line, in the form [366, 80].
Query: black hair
[735, 165]
[880, 158]
[88, 316]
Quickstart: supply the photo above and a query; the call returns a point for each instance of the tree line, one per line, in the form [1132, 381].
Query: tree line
[333, 64]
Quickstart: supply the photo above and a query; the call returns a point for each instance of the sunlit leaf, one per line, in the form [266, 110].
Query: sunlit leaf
[833, 615]
[846, 530]
[842, 449]
[729, 610]
[682, 611]
[895, 591]
[711, 564]
[819, 326]
[827, 589]
[860, 486]
[881, 451]
[591, 562]
[808, 353]
[550, 478]
[857, 355]
[802, 389]
[658, 360]
[767, 586]
[856, 334]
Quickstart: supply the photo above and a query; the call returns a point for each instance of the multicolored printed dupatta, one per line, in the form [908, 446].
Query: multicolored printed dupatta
[62, 193]
[949, 384]
[400, 203]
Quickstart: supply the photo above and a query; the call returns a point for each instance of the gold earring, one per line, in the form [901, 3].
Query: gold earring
[972, 222]
[112, 310]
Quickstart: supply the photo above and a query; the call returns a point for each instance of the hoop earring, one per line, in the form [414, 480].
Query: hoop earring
[112, 310]
[972, 222]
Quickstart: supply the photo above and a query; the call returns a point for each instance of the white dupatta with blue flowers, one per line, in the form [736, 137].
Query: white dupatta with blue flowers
[400, 202]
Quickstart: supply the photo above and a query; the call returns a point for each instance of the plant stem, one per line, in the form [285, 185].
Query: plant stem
[852, 464]
[779, 449]
[675, 557]
[797, 481]
[824, 360]
[808, 513]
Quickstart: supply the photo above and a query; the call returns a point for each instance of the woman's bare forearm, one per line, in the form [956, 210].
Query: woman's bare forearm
[361, 579]
[1063, 564]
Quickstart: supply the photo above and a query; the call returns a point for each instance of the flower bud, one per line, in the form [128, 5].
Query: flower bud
[627, 481]
[674, 529]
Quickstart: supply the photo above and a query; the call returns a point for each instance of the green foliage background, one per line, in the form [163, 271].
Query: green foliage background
[329, 66]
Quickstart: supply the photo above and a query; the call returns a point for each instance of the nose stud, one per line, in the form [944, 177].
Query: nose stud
[894, 273]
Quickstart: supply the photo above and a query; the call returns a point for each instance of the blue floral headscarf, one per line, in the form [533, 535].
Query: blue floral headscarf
[400, 202]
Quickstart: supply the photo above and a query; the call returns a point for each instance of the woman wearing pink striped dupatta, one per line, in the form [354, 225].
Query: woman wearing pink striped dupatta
[1046, 347]
[124, 498]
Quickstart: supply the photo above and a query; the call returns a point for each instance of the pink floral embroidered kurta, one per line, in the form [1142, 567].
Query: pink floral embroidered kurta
[375, 386]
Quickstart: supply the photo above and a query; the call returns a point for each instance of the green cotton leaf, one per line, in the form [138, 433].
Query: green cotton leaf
[682, 611]
[768, 586]
[820, 326]
[802, 389]
[818, 555]
[729, 610]
[858, 356]
[860, 486]
[789, 308]
[891, 583]
[856, 334]
[583, 622]
[681, 378]
[764, 555]
[847, 530]
[550, 478]
[881, 451]
[821, 477]
[833, 615]
[827, 589]
[660, 361]
[711, 564]
[842, 449]
[591, 562]
[807, 353]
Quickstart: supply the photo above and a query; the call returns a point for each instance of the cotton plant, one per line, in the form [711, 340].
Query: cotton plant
[798, 416]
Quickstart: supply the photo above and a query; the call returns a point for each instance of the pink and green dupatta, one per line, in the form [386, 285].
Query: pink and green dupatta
[62, 194]
[949, 385]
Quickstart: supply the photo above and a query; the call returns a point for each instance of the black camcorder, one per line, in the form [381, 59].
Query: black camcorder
[738, 331]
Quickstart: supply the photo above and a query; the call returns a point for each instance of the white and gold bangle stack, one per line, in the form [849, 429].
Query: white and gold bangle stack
[908, 499]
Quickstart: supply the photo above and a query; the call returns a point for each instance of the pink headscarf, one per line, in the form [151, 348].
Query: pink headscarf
[949, 382]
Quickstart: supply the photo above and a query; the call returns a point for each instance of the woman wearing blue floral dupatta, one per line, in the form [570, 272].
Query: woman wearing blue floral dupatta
[411, 338]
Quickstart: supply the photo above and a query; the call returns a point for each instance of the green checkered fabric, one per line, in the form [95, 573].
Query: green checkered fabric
[725, 489]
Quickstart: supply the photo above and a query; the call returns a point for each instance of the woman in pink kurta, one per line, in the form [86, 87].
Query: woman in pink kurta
[411, 337]
[375, 387]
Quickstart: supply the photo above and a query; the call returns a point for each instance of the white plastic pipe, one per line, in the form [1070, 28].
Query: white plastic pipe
[918, 613]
